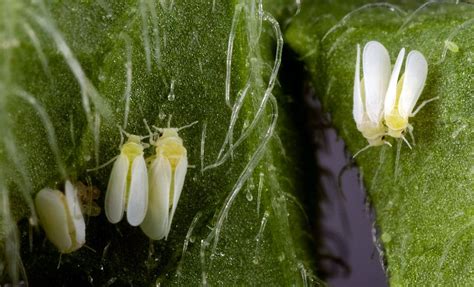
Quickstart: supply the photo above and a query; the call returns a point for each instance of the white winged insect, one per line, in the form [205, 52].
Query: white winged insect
[402, 94]
[369, 93]
[61, 217]
[127, 190]
[166, 174]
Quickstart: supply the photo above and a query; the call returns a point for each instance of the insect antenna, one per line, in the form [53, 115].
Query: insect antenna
[150, 133]
[188, 126]
[178, 129]
[423, 104]
[122, 132]
[103, 165]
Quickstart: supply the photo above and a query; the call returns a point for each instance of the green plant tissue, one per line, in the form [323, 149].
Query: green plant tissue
[423, 197]
[72, 72]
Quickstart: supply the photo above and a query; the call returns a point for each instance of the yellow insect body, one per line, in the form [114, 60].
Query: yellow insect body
[403, 93]
[394, 121]
[61, 217]
[166, 174]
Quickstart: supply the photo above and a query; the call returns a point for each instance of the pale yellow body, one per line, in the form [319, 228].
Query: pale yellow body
[166, 173]
[373, 133]
[127, 190]
[169, 146]
[131, 149]
[396, 123]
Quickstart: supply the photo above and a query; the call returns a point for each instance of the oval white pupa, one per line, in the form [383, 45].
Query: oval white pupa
[127, 190]
[61, 217]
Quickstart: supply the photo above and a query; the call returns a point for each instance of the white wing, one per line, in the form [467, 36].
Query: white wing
[179, 175]
[391, 95]
[116, 189]
[138, 192]
[358, 108]
[74, 209]
[53, 218]
[416, 70]
[376, 68]
[155, 223]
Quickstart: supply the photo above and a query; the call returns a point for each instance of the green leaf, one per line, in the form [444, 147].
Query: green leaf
[422, 196]
[72, 72]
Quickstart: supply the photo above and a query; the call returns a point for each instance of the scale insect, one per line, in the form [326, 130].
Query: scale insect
[402, 94]
[166, 173]
[369, 93]
[61, 217]
[127, 190]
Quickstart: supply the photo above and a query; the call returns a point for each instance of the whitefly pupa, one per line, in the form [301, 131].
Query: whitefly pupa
[61, 217]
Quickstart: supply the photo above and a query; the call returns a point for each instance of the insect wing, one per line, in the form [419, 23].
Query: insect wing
[75, 215]
[54, 218]
[138, 192]
[115, 195]
[178, 182]
[391, 96]
[155, 224]
[376, 68]
[416, 70]
[358, 109]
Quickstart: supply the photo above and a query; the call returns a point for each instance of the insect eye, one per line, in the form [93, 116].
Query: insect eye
[157, 136]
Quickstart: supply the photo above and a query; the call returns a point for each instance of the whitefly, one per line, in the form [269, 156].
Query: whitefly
[369, 93]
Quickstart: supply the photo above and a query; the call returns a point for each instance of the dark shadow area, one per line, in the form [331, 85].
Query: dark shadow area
[334, 199]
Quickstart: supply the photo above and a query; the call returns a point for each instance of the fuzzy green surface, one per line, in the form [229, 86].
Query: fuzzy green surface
[424, 200]
[76, 63]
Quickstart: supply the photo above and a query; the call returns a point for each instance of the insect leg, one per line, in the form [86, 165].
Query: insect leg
[361, 150]
[406, 141]
[422, 105]
[410, 131]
